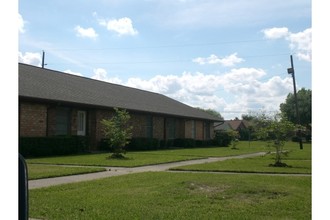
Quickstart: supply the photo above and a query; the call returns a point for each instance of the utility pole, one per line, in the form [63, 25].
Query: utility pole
[291, 71]
[43, 59]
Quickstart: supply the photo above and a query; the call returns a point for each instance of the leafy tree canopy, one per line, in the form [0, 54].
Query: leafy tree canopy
[118, 131]
[304, 99]
[275, 130]
[212, 112]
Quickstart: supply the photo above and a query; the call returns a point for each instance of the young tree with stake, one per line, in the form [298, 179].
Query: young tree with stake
[118, 132]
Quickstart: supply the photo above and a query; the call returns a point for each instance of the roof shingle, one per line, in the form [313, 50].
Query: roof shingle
[46, 84]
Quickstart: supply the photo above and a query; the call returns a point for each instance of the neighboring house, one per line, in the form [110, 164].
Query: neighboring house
[236, 125]
[222, 126]
[55, 103]
[241, 126]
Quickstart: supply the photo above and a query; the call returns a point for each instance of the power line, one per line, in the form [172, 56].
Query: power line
[172, 61]
[247, 111]
[157, 46]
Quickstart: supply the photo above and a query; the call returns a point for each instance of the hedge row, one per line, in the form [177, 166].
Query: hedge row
[52, 146]
[66, 145]
[141, 143]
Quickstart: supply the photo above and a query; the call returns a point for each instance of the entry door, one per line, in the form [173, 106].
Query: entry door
[81, 123]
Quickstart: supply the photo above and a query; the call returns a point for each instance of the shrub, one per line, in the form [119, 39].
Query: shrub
[184, 142]
[52, 146]
[143, 143]
[222, 138]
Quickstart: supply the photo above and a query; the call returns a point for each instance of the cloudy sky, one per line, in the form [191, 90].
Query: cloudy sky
[230, 56]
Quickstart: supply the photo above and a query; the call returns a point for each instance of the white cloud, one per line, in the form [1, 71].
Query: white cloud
[188, 83]
[227, 61]
[30, 58]
[122, 26]
[276, 87]
[236, 92]
[21, 24]
[276, 33]
[243, 75]
[244, 85]
[300, 43]
[85, 32]
[101, 74]
[73, 73]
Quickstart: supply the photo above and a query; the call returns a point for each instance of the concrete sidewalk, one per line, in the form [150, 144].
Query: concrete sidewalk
[117, 171]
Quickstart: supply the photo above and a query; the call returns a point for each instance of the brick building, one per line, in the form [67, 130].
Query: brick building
[55, 103]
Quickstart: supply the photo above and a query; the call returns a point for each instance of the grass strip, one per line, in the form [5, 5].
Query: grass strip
[134, 159]
[298, 161]
[251, 165]
[163, 195]
[39, 171]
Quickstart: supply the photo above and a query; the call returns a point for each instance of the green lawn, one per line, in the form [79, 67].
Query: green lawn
[299, 161]
[133, 159]
[38, 171]
[152, 157]
[164, 195]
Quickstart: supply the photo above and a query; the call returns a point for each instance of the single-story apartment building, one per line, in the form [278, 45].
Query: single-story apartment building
[55, 103]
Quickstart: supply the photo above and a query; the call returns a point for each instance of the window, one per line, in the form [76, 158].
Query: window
[62, 121]
[207, 131]
[149, 126]
[170, 128]
[193, 129]
[81, 123]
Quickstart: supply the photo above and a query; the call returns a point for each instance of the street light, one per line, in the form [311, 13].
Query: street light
[291, 71]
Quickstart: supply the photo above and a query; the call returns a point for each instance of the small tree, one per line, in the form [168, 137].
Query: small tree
[118, 132]
[234, 135]
[276, 131]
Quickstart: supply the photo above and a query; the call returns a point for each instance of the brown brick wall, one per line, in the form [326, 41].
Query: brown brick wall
[32, 120]
[188, 129]
[40, 120]
[99, 115]
[158, 127]
[199, 130]
[139, 123]
[91, 129]
[180, 128]
[51, 121]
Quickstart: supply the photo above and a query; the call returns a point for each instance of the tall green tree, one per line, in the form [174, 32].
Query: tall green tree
[248, 117]
[212, 112]
[304, 99]
[118, 132]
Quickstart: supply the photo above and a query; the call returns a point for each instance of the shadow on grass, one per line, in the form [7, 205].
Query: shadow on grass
[118, 157]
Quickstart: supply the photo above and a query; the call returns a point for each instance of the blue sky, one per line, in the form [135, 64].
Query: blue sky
[230, 56]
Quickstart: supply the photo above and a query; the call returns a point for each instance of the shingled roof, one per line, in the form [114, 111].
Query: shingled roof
[45, 84]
